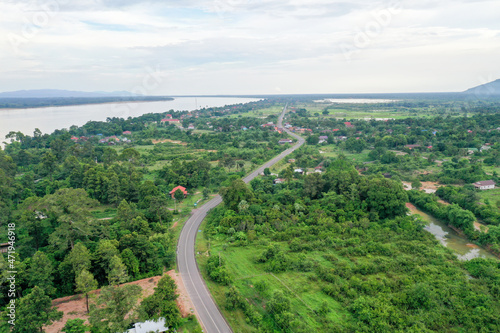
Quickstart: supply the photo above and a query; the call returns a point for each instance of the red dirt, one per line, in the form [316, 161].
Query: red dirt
[74, 306]
[183, 301]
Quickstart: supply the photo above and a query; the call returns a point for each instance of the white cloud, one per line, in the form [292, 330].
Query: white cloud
[246, 46]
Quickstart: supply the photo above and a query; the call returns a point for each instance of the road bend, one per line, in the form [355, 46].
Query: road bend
[209, 314]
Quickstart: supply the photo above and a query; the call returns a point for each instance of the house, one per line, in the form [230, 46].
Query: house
[168, 116]
[149, 326]
[191, 127]
[127, 133]
[182, 188]
[484, 148]
[74, 138]
[283, 141]
[323, 137]
[4, 247]
[471, 151]
[292, 160]
[279, 181]
[318, 171]
[348, 124]
[299, 171]
[412, 146]
[485, 185]
[170, 121]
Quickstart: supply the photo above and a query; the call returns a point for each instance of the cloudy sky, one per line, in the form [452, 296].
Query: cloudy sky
[172, 47]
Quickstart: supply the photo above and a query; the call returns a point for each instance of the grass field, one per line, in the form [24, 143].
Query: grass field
[334, 151]
[492, 195]
[362, 111]
[305, 295]
[260, 113]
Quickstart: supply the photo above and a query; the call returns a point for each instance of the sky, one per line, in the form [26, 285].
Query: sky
[194, 47]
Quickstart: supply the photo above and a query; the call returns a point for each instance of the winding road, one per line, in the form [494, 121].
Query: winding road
[209, 315]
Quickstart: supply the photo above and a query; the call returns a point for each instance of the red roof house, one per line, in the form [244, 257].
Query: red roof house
[182, 188]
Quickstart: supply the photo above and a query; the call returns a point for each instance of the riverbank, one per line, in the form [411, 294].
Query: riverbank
[38, 103]
[452, 238]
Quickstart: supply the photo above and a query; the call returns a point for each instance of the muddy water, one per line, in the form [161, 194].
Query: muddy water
[463, 249]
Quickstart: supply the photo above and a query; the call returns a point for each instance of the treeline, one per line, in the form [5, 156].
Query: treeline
[468, 198]
[21, 103]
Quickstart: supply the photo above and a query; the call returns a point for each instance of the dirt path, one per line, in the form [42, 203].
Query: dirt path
[183, 302]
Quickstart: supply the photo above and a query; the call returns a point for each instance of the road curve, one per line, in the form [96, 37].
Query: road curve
[209, 314]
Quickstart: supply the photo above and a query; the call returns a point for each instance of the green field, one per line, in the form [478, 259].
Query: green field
[306, 295]
[260, 113]
[492, 195]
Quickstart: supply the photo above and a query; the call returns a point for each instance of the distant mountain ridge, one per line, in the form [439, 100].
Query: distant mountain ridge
[54, 93]
[485, 90]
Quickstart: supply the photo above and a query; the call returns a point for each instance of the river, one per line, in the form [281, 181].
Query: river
[463, 249]
[48, 119]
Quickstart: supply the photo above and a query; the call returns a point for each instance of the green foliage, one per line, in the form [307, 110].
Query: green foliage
[356, 244]
[117, 271]
[40, 273]
[161, 304]
[75, 326]
[235, 193]
[85, 283]
[79, 257]
[114, 309]
[216, 268]
[35, 311]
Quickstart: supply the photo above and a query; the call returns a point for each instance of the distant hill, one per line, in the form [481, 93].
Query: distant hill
[485, 90]
[53, 93]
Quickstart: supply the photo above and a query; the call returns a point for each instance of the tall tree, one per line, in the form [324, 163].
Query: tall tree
[69, 210]
[161, 304]
[117, 271]
[235, 193]
[85, 283]
[40, 273]
[79, 258]
[114, 310]
[35, 311]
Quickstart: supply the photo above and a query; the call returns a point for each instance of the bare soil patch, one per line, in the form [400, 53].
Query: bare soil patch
[75, 306]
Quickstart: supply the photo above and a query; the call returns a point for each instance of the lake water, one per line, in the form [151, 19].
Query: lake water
[463, 249]
[48, 119]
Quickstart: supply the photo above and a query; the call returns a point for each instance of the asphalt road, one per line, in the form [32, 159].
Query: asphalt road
[209, 314]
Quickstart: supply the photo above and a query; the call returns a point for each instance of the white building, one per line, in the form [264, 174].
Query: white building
[485, 185]
[149, 326]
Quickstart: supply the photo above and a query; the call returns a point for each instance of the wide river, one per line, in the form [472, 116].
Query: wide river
[48, 119]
